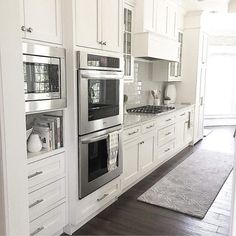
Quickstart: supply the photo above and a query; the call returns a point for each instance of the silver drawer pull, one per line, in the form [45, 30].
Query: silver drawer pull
[36, 203]
[101, 198]
[37, 231]
[149, 127]
[168, 120]
[168, 133]
[35, 174]
[167, 150]
[135, 132]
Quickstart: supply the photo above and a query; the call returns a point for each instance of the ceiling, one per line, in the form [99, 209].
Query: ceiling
[207, 5]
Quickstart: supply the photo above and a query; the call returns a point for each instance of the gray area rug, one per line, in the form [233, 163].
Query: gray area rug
[193, 185]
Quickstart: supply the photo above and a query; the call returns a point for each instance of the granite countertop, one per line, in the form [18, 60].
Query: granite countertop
[132, 119]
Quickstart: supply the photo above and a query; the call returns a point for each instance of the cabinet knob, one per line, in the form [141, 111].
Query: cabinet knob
[23, 28]
[100, 42]
[30, 30]
[105, 43]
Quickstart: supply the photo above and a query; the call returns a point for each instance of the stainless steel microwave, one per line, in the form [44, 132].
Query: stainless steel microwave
[44, 77]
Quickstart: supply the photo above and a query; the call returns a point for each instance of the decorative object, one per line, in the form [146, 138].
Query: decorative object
[193, 185]
[156, 94]
[125, 102]
[28, 133]
[171, 93]
[34, 143]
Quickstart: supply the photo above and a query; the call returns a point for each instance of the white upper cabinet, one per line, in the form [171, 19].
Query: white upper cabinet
[99, 24]
[88, 31]
[41, 20]
[112, 25]
[157, 16]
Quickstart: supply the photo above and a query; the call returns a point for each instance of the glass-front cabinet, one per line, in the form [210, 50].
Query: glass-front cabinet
[127, 47]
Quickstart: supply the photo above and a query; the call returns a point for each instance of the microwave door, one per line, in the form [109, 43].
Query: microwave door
[42, 77]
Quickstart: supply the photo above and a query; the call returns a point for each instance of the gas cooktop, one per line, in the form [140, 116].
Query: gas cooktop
[150, 109]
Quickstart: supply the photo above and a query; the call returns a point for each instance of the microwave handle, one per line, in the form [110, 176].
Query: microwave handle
[87, 75]
[92, 140]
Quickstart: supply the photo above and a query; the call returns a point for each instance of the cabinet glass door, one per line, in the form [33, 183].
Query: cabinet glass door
[128, 15]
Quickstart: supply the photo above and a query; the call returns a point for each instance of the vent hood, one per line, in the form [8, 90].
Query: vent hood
[152, 46]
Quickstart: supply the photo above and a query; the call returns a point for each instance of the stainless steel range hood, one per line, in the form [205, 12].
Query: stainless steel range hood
[152, 46]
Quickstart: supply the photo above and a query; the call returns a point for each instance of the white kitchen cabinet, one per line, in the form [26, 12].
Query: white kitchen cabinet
[161, 17]
[172, 32]
[130, 163]
[128, 42]
[88, 17]
[192, 88]
[41, 20]
[147, 152]
[99, 24]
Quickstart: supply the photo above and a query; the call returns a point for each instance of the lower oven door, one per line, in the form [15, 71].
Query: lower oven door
[100, 100]
[93, 158]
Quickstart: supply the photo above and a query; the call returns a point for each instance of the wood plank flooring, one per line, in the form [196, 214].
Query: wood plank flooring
[127, 216]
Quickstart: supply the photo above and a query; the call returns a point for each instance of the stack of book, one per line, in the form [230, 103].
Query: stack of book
[50, 130]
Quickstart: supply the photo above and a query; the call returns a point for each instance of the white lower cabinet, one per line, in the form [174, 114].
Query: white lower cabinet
[146, 152]
[40, 201]
[97, 200]
[130, 162]
[50, 223]
[47, 195]
[147, 146]
[138, 154]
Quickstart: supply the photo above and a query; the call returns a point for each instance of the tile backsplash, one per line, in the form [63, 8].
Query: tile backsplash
[139, 91]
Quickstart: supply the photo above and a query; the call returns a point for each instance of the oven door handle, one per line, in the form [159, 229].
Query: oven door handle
[102, 75]
[92, 140]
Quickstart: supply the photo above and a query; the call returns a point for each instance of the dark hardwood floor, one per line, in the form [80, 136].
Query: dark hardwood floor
[127, 216]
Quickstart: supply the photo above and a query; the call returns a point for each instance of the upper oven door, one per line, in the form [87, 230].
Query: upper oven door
[42, 77]
[100, 99]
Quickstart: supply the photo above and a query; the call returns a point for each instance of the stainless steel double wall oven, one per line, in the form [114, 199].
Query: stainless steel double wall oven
[100, 113]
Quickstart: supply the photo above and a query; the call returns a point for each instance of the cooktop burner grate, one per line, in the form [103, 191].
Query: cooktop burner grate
[150, 109]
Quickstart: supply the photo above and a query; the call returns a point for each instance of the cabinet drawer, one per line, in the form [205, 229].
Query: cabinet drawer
[166, 150]
[46, 170]
[182, 115]
[49, 223]
[165, 135]
[149, 126]
[131, 133]
[166, 121]
[40, 200]
[98, 199]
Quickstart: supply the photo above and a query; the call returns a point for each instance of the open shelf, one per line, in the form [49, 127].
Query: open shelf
[33, 157]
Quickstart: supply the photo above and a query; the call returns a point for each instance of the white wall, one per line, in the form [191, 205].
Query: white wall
[13, 121]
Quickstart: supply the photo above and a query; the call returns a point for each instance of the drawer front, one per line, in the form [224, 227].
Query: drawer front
[182, 115]
[46, 170]
[166, 121]
[49, 223]
[148, 126]
[40, 200]
[97, 200]
[131, 133]
[165, 135]
[166, 150]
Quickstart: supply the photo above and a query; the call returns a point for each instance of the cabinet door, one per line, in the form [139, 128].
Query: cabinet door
[43, 20]
[112, 25]
[161, 17]
[204, 48]
[172, 21]
[130, 163]
[88, 23]
[149, 15]
[180, 133]
[146, 153]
